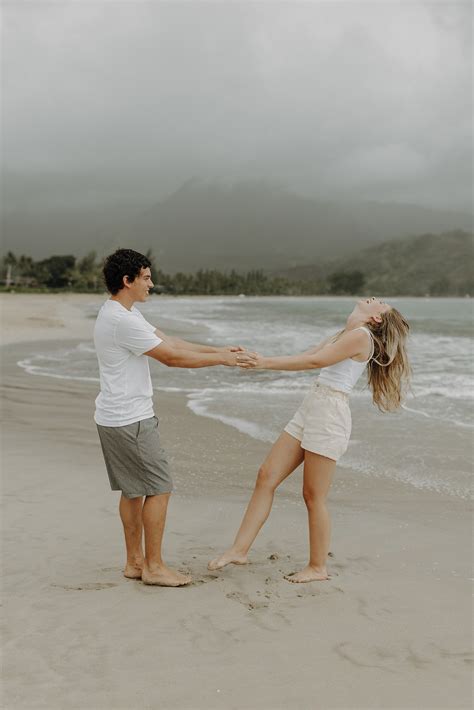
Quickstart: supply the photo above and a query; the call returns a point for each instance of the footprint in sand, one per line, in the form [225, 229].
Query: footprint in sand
[372, 611]
[206, 635]
[398, 657]
[366, 657]
[267, 619]
[245, 600]
[87, 587]
[204, 579]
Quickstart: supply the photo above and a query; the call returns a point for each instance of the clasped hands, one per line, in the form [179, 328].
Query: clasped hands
[245, 359]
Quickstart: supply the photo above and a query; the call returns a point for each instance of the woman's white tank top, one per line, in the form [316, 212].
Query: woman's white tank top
[344, 375]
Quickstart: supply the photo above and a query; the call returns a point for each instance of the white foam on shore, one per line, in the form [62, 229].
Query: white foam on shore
[37, 370]
[200, 407]
[86, 348]
[422, 413]
[417, 480]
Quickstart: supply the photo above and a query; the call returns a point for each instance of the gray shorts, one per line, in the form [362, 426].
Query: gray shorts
[135, 462]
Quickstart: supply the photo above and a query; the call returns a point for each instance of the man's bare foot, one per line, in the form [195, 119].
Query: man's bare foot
[134, 566]
[227, 558]
[164, 577]
[308, 574]
[133, 571]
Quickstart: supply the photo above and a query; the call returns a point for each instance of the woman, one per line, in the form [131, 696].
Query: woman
[374, 338]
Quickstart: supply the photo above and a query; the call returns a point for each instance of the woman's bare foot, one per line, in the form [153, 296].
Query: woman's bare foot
[227, 558]
[163, 576]
[308, 574]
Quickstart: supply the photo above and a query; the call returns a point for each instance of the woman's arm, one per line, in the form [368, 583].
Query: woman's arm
[317, 348]
[350, 344]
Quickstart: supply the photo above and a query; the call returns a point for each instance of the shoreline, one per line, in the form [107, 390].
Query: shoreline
[32, 292]
[191, 396]
[348, 481]
[348, 478]
[389, 630]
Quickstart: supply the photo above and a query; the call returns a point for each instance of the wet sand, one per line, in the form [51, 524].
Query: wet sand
[391, 629]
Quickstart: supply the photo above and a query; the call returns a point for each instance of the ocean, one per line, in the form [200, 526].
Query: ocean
[427, 444]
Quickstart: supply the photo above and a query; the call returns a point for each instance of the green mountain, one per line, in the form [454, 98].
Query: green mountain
[433, 264]
[246, 226]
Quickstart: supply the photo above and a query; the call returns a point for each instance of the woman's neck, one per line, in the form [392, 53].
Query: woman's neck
[354, 322]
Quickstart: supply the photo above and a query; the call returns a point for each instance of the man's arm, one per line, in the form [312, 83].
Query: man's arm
[179, 357]
[180, 344]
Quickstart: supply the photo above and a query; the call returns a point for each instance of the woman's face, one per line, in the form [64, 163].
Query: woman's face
[371, 309]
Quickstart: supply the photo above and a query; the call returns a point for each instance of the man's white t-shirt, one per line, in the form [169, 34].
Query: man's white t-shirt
[121, 337]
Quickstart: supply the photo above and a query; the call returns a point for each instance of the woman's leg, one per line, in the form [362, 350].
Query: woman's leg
[318, 475]
[285, 455]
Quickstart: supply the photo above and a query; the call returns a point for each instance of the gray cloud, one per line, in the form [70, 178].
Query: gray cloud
[113, 100]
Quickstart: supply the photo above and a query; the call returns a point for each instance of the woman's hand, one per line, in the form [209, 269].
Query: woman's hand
[256, 362]
[241, 358]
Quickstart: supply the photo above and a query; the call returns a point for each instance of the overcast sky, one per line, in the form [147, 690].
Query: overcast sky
[112, 100]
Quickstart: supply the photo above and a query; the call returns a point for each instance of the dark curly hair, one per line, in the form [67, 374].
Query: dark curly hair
[123, 262]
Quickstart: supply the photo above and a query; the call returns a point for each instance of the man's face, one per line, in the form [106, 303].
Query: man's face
[141, 285]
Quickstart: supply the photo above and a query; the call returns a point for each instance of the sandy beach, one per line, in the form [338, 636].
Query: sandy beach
[391, 629]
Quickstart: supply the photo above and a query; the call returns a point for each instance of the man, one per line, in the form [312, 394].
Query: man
[128, 429]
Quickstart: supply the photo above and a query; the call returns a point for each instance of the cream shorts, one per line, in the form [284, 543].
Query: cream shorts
[323, 422]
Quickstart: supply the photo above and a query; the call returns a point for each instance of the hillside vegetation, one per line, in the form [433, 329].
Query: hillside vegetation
[430, 264]
[435, 265]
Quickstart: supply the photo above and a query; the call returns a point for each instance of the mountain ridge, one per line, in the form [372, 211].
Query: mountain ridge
[426, 264]
[244, 226]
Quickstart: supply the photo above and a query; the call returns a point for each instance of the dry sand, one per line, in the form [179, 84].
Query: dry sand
[390, 630]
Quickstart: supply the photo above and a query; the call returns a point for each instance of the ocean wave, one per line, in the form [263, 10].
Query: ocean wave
[463, 392]
[86, 348]
[413, 478]
[441, 418]
[201, 408]
[38, 370]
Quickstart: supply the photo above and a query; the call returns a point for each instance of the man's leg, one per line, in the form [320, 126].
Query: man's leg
[154, 569]
[131, 515]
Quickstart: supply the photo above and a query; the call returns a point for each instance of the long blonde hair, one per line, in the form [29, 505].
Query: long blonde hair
[388, 371]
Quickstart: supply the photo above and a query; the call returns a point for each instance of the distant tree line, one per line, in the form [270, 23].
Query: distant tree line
[55, 272]
[66, 272]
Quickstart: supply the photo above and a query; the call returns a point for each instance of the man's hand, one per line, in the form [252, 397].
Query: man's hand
[232, 349]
